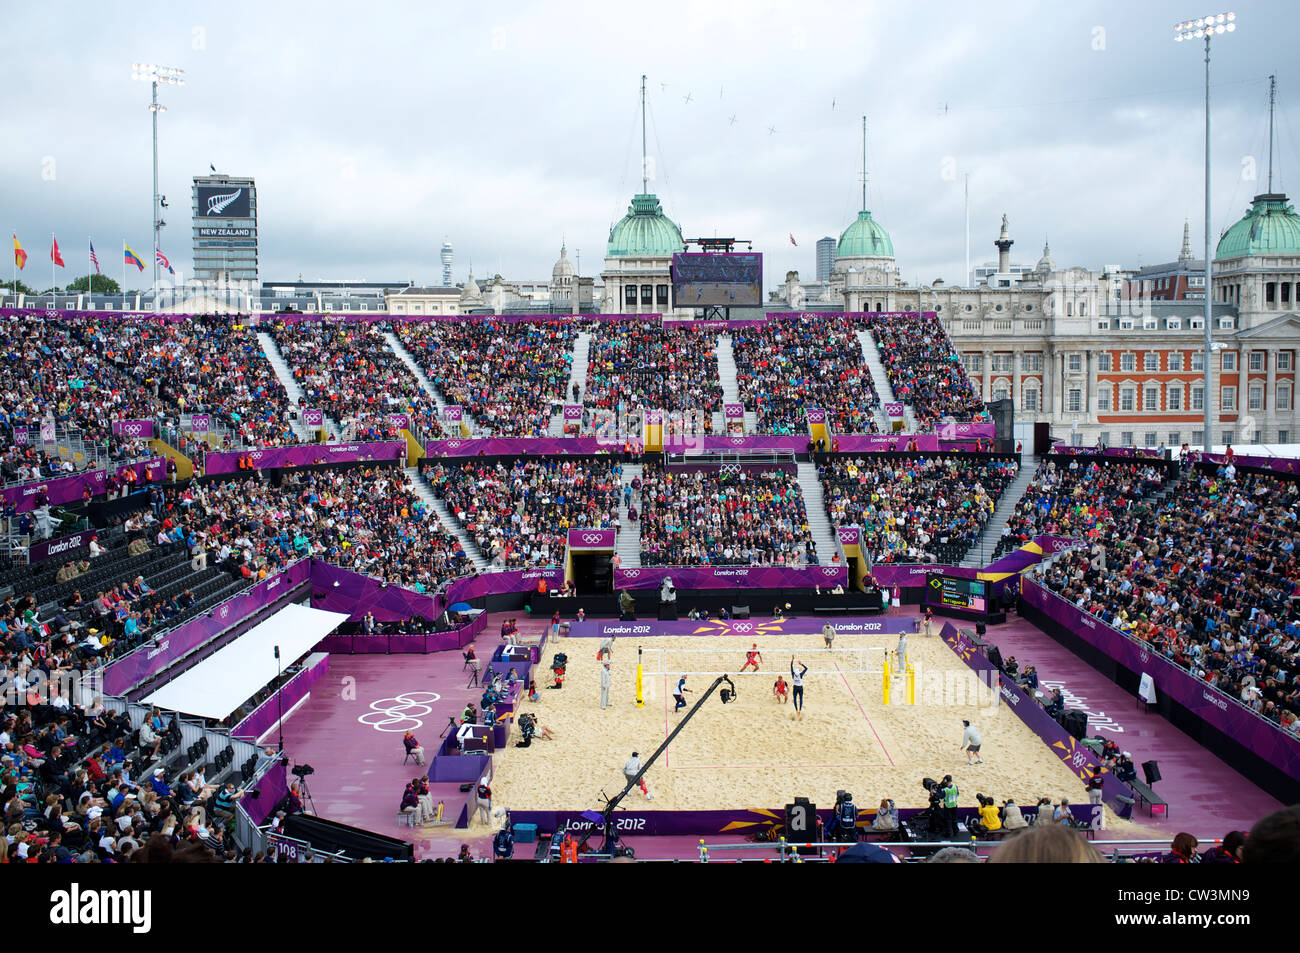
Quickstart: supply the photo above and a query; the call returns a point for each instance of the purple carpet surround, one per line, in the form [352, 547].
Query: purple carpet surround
[1060, 742]
[72, 489]
[420, 643]
[265, 715]
[1216, 708]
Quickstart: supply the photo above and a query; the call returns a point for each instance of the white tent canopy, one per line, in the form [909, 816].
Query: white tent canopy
[221, 683]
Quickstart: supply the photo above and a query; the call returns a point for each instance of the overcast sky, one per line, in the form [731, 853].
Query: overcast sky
[376, 130]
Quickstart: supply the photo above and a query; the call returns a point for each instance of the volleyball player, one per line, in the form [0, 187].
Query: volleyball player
[752, 657]
[796, 686]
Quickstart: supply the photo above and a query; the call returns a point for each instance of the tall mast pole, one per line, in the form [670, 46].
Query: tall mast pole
[1272, 98]
[864, 163]
[644, 177]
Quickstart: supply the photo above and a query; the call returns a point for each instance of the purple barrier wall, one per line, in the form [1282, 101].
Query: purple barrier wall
[1079, 759]
[304, 455]
[878, 443]
[67, 489]
[953, 430]
[152, 471]
[265, 715]
[515, 446]
[153, 657]
[875, 625]
[1276, 464]
[1216, 708]
[271, 789]
[592, 538]
[65, 547]
[341, 590]
[754, 443]
[417, 643]
[500, 583]
[912, 575]
[1138, 452]
[732, 577]
[142, 429]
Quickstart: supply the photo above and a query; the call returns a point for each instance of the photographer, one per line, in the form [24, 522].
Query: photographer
[989, 820]
[844, 819]
[1012, 819]
[886, 817]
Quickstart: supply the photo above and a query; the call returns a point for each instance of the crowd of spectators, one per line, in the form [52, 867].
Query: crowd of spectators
[785, 368]
[923, 369]
[1080, 500]
[720, 519]
[1207, 577]
[914, 509]
[509, 378]
[633, 367]
[520, 513]
[350, 372]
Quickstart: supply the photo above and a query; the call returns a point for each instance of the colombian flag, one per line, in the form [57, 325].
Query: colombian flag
[20, 256]
[132, 258]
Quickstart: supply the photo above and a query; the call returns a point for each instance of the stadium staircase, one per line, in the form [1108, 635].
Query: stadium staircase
[884, 389]
[730, 389]
[981, 551]
[291, 387]
[406, 357]
[449, 522]
[818, 522]
[577, 375]
[627, 542]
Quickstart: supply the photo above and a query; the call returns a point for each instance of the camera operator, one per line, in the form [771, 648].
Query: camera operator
[989, 820]
[845, 817]
[1012, 819]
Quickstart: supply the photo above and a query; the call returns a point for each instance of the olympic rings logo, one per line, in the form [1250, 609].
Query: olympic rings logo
[255, 455]
[453, 444]
[631, 573]
[592, 537]
[742, 627]
[829, 570]
[737, 441]
[401, 712]
[132, 430]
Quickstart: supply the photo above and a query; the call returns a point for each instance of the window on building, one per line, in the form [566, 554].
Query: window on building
[1198, 360]
[1283, 396]
[1257, 360]
[1229, 361]
[1174, 398]
[1255, 397]
[974, 362]
[1076, 362]
[629, 295]
[1174, 360]
[1198, 397]
[1128, 362]
[1150, 361]
[1228, 398]
[1032, 362]
[1151, 440]
[1074, 400]
[1127, 398]
[1031, 397]
[1227, 437]
[1103, 398]
[1083, 309]
[1151, 397]
[1175, 438]
[647, 294]
[1284, 436]
[1126, 438]
[1284, 360]
[1103, 361]
[1270, 292]
[1001, 363]
[1198, 437]
[661, 295]
[1257, 437]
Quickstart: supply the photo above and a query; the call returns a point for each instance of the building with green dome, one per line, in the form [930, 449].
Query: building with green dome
[638, 259]
[1257, 261]
[865, 275]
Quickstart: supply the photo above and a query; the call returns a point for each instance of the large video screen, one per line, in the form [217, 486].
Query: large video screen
[969, 594]
[721, 280]
[232, 201]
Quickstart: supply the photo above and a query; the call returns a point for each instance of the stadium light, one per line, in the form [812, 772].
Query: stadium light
[1198, 29]
[156, 76]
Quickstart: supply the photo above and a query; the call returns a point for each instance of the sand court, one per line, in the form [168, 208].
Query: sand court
[752, 753]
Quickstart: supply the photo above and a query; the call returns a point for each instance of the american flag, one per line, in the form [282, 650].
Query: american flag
[94, 259]
[162, 259]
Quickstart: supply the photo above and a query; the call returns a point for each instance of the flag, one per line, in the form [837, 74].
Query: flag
[132, 258]
[162, 259]
[792, 241]
[20, 256]
[54, 254]
[94, 259]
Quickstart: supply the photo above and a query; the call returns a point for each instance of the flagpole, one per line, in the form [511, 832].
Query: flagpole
[54, 283]
[124, 274]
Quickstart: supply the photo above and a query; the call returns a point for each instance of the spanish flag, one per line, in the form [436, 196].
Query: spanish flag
[20, 256]
[132, 258]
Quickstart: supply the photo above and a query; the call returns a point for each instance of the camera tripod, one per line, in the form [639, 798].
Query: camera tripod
[451, 726]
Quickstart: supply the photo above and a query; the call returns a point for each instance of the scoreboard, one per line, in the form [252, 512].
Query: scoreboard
[969, 595]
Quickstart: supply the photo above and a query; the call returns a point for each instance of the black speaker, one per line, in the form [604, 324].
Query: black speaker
[981, 629]
[740, 612]
[1076, 723]
[667, 612]
[1152, 771]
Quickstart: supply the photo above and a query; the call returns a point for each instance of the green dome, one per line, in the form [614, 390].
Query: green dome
[864, 239]
[1271, 227]
[644, 230]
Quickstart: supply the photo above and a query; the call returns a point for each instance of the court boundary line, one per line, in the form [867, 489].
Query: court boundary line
[854, 696]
